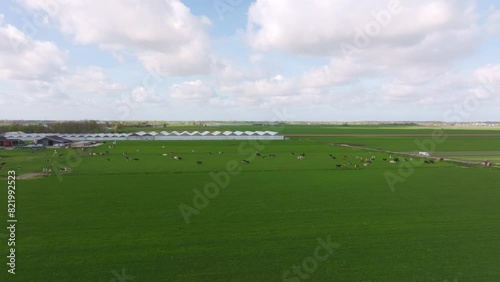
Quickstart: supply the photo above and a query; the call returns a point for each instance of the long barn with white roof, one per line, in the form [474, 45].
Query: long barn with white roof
[152, 135]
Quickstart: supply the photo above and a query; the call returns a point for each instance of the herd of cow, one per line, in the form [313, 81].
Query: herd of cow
[346, 161]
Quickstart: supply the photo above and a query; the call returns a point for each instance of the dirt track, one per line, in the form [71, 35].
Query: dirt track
[392, 135]
[32, 175]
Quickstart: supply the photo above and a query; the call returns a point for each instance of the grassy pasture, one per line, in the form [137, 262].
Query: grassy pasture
[441, 222]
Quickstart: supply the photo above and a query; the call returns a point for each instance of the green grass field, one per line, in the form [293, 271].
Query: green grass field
[440, 222]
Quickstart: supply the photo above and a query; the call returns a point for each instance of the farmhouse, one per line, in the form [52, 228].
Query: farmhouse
[53, 140]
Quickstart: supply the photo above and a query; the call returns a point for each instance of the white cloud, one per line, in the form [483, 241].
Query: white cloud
[338, 72]
[163, 34]
[195, 91]
[274, 86]
[488, 74]
[320, 27]
[22, 58]
[39, 72]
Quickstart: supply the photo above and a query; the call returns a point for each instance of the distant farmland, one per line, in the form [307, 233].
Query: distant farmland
[263, 220]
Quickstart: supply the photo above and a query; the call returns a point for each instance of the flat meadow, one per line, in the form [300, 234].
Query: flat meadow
[213, 217]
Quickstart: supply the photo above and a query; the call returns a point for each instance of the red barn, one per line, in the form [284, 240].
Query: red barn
[9, 142]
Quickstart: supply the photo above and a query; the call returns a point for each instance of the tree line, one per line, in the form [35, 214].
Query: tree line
[57, 127]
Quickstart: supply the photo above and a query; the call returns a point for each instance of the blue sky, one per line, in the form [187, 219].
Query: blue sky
[316, 60]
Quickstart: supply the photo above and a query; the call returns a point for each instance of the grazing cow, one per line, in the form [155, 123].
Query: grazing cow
[339, 165]
[127, 158]
[263, 157]
[372, 158]
[366, 164]
[384, 159]
[221, 152]
[179, 158]
[441, 159]
[396, 159]
[393, 162]
[163, 147]
[356, 166]
[300, 157]
[47, 160]
[209, 153]
[427, 162]
[108, 160]
[245, 161]
[60, 155]
[292, 153]
[272, 155]
[257, 154]
[199, 162]
[164, 155]
[46, 170]
[431, 161]
[175, 158]
[136, 159]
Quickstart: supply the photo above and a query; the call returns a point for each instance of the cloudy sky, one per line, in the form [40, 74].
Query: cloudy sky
[329, 60]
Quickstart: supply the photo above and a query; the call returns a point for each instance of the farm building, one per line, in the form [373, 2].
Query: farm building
[53, 140]
[152, 135]
[9, 142]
